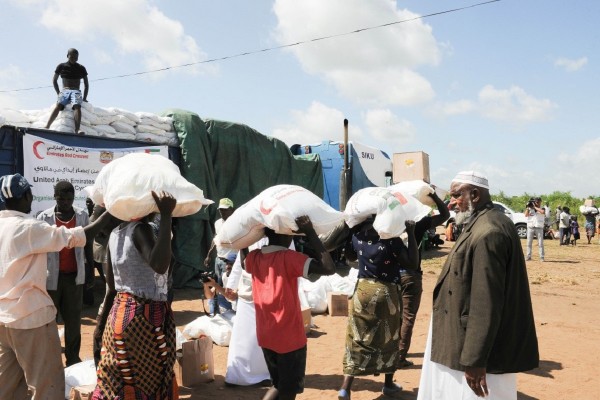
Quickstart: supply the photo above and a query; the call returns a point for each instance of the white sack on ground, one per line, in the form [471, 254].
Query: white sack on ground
[83, 373]
[124, 186]
[277, 208]
[179, 339]
[315, 293]
[218, 328]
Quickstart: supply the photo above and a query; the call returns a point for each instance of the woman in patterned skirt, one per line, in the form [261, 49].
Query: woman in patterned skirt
[138, 344]
[374, 322]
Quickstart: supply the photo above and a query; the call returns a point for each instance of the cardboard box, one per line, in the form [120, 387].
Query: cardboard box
[306, 319]
[196, 364]
[337, 304]
[410, 166]
[83, 392]
[589, 203]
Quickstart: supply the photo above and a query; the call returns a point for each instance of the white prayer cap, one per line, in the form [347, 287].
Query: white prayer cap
[472, 177]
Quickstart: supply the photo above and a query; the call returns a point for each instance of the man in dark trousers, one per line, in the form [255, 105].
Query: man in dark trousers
[411, 280]
[66, 268]
[482, 327]
[71, 73]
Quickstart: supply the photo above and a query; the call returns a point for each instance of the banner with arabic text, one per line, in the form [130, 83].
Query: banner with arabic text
[47, 162]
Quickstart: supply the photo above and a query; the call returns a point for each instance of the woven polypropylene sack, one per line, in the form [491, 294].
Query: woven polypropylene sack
[124, 187]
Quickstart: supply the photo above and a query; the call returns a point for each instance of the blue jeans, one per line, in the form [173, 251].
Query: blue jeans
[564, 234]
[539, 232]
[219, 300]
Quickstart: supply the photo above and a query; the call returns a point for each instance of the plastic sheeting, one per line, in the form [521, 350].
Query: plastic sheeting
[231, 160]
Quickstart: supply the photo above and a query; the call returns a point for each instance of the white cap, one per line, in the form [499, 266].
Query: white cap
[472, 177]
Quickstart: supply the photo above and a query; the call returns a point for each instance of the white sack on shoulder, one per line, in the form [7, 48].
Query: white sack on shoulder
[124, 187]
[276, 208]
[413, 208]
[280, 205]
[588, 210]
[417, 188]
[391, 210]
[242, 229]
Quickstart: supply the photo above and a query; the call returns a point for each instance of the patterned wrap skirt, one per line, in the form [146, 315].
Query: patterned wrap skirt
[373, 332]
[138, 351]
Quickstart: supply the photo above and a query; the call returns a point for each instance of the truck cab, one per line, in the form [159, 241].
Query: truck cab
[369, 167]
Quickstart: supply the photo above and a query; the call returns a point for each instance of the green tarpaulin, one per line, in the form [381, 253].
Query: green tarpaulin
[225, 159]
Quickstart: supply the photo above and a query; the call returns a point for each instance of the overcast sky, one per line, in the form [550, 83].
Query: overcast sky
[509, 88]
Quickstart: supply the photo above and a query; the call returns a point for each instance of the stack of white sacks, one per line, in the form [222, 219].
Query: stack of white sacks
[109, 122]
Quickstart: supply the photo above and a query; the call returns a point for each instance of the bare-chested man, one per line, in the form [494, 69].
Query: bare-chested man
[71, 73]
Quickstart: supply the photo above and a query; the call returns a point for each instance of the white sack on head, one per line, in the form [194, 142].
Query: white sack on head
[588, 210]
[417, 188]
[413, 208]
[366, 202]
[391, 209]
[124, 186]
[280, 205]
[242, 229]
[277, 208]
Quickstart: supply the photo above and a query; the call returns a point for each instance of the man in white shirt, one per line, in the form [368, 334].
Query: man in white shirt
[536, 216]
[564, 226]
[226, 209]
[30, 354]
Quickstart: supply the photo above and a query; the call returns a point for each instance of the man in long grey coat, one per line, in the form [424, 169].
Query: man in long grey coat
[482, 329]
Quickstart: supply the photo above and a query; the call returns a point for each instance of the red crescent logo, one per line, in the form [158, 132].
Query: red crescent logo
[400, 198]
[35, 150]
[265, 211]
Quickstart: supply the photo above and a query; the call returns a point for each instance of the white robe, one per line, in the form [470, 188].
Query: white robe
[439, 382]
[245, 361]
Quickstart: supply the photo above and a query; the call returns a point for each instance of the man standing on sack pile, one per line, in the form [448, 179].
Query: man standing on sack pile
[482, 328]
[71, 73]
[30, 359]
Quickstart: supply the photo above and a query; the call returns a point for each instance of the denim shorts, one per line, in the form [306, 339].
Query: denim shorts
[67, 96]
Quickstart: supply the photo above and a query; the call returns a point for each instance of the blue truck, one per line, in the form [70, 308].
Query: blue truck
[368, 166]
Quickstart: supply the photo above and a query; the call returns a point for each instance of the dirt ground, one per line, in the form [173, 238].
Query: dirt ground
[566, 301]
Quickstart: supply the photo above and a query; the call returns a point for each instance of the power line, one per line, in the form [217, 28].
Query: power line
[247, 53]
